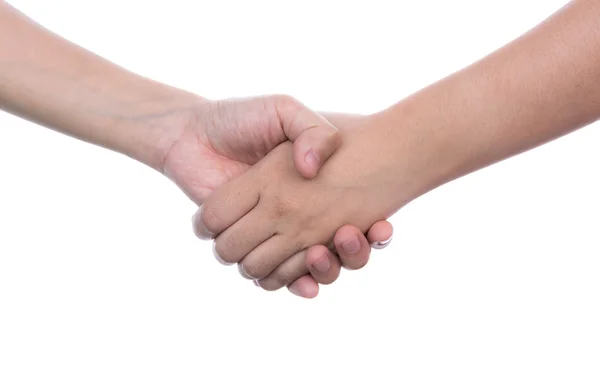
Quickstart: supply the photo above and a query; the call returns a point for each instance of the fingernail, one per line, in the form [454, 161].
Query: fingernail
[217, 257]
[351, 246]
[323, 264]
[381, 244]
[256, 283]
[311, 159]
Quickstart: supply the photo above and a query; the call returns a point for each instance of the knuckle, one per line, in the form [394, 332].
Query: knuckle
[354, 265]
[333, 140]
[287, 102]
[252, 270]
[242, 272]
[277, 280]
[328, 281]
[224, 253]
[281, 279]
[209, 218]
[272, 283]
[289, 107]
[285, 206]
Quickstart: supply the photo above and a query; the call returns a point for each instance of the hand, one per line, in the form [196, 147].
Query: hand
[199, 144]
[324, 265]
[218, 141]
[265, 218]
[222, 139]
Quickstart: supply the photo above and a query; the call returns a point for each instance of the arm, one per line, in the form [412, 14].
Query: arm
[537, 88]
[541, 86]
[53, 82]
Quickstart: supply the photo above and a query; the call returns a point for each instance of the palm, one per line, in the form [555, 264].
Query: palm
[224, 140]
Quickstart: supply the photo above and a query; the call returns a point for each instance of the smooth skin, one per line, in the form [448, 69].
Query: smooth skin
[541, 86]
[198, 143]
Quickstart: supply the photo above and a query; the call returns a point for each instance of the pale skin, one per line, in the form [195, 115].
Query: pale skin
[198, 143]
[541, 86]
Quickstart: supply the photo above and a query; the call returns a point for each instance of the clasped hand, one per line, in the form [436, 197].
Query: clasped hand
[227, 156]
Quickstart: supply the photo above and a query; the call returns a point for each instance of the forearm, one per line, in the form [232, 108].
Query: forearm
[53, 82]
[541, 86]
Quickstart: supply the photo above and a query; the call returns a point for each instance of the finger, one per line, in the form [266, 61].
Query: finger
[313, 148]
[233, 244]
[267, 256]
[226, 206]
[315, 139]
[305, 287]
[324, 265]
[380, 234]
[286, 273]
[352, 247]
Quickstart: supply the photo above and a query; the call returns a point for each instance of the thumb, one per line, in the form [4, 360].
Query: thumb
[315, 139]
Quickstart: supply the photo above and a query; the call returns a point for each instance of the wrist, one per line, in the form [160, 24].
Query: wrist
[156, 125]
[413, 138]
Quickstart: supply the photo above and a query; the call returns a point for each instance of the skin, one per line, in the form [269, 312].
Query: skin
[198, 143]
[541, 86]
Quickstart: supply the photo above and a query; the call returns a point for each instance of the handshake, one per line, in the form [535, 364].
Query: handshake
[293, 214]
[289, 214]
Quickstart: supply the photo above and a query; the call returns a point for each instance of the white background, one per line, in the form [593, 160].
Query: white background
[100, 273]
